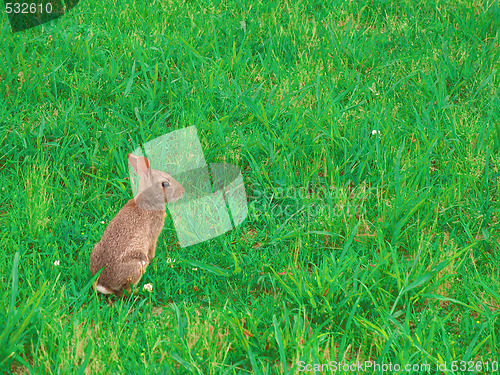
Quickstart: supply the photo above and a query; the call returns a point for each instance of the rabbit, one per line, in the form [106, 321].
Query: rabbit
[128, 244]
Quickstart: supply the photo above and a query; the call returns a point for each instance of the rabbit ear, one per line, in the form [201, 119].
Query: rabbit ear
[140, 165]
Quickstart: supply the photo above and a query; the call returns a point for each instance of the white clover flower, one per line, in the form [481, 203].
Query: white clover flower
[148, 287]
[195, 269]
[102, 222]
[56, 263]
[375, 132]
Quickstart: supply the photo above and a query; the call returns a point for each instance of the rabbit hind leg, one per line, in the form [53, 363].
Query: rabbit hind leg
[132, 273]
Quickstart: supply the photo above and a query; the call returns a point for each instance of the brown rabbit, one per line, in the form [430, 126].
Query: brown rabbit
[129, 242]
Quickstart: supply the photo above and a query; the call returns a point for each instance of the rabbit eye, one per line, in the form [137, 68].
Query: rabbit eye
[165, 184]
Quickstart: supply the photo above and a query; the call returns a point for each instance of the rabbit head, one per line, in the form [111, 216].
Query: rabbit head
[155, 187]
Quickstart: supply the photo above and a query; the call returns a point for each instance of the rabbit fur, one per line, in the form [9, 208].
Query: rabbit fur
[128, 244]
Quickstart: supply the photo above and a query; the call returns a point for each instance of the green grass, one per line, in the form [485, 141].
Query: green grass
[357, 247]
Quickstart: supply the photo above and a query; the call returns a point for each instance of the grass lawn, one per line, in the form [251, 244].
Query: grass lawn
[368, 137]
